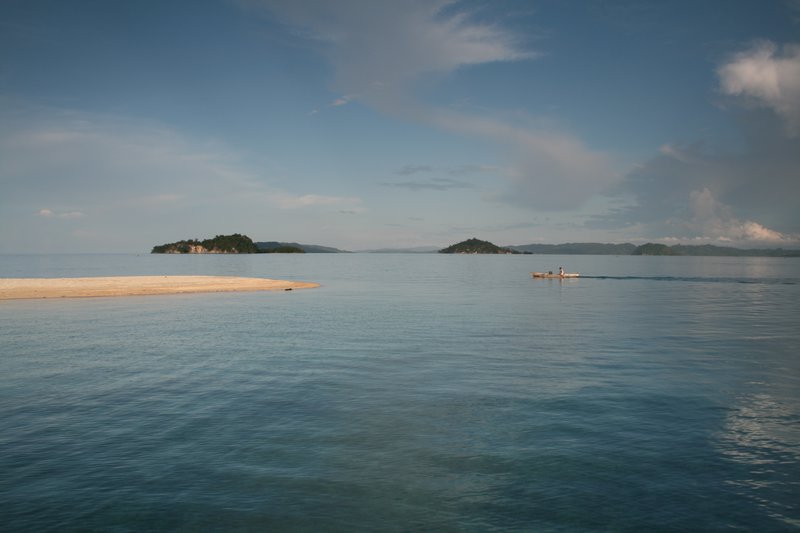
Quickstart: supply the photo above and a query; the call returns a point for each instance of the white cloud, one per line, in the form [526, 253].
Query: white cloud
[675, 152]
[766, 76]
[343, 100]
[431, 184]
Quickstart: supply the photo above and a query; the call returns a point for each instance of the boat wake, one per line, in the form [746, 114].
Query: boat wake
[700, 279]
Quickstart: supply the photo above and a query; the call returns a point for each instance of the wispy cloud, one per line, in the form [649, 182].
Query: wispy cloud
[433, 184]
[460, 170]
[344, 100]
[380, 50]
[463, 170]
[67, 215]
[285, 200]
[547, 170]
[414, 169]
[380, 47]
[63, 165]
[85, 159]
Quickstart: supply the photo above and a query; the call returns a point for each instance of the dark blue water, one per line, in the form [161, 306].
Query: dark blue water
[409, 392]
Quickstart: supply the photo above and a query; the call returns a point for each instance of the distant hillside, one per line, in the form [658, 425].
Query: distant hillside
[708, 249]
[592, 248]
[654, 249]
[577, 248]
[476, 246]
[711, 250]
[308, 248]
[282, 250]
[221, 244]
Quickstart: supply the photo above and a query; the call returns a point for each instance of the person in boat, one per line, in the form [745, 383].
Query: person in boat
[561, 271]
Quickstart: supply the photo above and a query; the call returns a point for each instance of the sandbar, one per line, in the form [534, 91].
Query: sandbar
[30, 288]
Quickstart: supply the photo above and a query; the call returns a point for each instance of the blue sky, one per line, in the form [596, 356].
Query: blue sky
[367, 124]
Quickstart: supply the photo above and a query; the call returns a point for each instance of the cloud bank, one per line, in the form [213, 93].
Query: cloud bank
[691, 193]
[747, 197]
[715, 221]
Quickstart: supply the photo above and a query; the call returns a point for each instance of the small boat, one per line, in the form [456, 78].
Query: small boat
[551, 275]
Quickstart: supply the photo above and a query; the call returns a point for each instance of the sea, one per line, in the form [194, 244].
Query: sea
[409, 392]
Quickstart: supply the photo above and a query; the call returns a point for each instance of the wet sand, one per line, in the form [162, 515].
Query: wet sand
[29, 288]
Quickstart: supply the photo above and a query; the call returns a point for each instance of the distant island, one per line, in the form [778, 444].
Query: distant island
[239, 244]
[476, 246]
[221, 244]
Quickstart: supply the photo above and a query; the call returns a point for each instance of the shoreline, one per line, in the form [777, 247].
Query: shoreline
[94, 287]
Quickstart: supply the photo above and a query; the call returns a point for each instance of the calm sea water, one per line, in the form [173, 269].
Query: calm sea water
[408, 393]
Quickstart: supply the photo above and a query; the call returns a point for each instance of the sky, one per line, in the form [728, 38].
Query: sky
[363, 124]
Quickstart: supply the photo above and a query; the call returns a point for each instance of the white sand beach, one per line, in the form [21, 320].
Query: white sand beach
[30, 288]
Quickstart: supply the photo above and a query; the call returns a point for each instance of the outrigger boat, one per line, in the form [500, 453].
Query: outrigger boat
[551, 275]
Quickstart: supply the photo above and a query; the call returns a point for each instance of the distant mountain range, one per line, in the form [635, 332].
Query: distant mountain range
[590, 248]
[577, 248]
[238, 243]
[594, 248]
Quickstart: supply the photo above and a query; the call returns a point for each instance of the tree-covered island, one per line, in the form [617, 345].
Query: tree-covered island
[221, 244]
[476, 246]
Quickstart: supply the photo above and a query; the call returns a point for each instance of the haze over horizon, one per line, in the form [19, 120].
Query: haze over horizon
[372, 124]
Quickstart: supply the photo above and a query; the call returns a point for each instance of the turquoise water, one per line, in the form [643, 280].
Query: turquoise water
[408, 392]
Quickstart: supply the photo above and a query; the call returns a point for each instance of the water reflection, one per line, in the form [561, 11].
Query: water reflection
[761, 436]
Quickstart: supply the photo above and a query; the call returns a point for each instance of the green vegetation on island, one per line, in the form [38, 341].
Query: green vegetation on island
[221, 244]
[238, 244]
[476, 246]
[654, 249]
